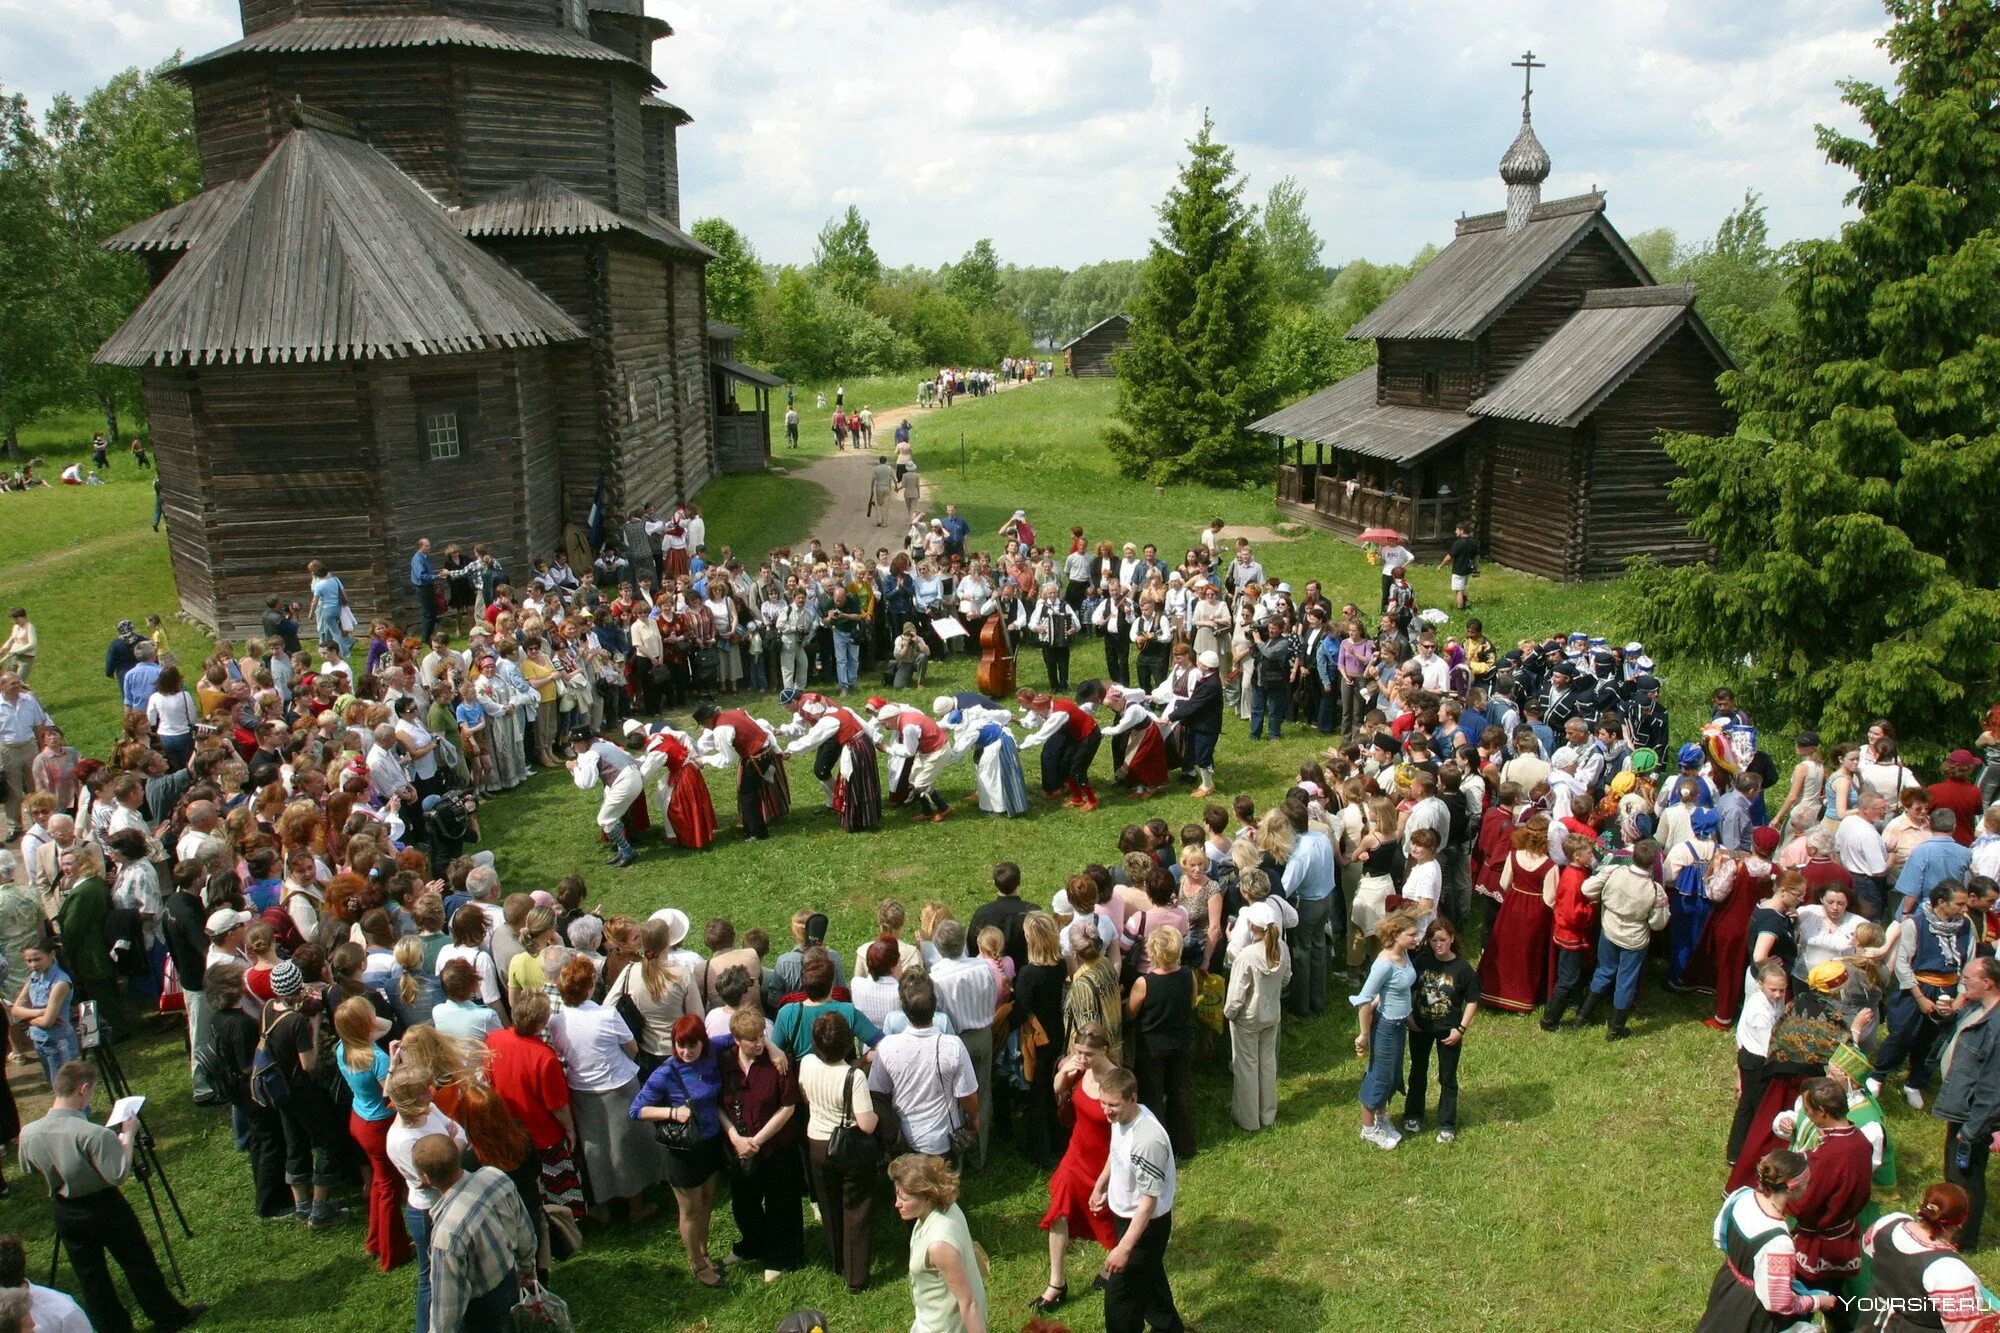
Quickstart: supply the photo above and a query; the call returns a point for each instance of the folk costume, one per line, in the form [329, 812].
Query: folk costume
[683, 792]
[843, 744]
[1072, 736]
[736, 739]
[918, 750]
[599, 763]
[1803, 1040]
[1918, 1283]
[1198, 719]
[1517, 964]
[1753, 1291]
[997, 777]
[1864, 1115]
[1138, 748]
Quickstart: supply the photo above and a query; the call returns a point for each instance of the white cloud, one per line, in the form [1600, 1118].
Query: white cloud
[1056, 128]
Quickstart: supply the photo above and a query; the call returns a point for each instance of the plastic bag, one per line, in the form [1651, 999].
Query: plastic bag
[540, 1310]
[1210, 992]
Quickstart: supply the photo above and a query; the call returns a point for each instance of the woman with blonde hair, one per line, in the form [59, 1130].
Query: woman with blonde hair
[1383, 1006]
[1253, 1006]
[417, 1116]
[1161, 1005]
[365, 1066]
[1379, 851]
[414, 989]
[1037, 1017]
[524, 971]
[1093, 984]
[658, 991]
[946, 1284]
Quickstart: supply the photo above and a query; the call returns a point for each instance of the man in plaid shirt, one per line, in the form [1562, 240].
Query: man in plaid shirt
[481, 1241]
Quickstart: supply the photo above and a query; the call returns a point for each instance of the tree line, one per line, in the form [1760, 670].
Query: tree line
[79, 174]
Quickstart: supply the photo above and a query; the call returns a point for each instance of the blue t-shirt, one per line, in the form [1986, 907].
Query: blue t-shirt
[470, 715]
[369, 1103]
[327, 592]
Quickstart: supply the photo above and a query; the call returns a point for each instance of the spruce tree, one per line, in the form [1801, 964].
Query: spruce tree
[1190, 381]
[1853, 510]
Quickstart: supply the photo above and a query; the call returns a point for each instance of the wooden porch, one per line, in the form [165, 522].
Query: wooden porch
[1316, 494]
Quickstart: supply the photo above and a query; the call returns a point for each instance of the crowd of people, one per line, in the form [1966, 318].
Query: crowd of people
[284, 848]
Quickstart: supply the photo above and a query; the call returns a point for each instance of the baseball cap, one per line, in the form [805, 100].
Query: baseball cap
[1961, 758]
[225, 919]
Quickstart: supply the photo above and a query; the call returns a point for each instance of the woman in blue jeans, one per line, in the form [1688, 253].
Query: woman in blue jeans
[43, 1004]
[1383, 1006]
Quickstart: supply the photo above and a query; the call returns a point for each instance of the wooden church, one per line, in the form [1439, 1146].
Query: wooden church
[435, 285]
[1522, 381]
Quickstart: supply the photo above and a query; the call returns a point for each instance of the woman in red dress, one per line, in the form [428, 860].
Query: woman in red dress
[684, 799]
[1075, 1177]
[1721, 959]
[1516, 966]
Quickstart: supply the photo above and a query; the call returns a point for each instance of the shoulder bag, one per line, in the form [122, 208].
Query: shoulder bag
[847, 1147]
[679, 1135]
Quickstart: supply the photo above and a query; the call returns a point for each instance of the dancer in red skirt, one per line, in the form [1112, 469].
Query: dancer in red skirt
[1516, 969]
[683, 791]
[1138, 748]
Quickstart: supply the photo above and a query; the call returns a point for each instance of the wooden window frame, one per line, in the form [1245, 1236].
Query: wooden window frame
[442, 401]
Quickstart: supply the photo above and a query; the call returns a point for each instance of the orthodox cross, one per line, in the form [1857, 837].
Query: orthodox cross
[1527, 64]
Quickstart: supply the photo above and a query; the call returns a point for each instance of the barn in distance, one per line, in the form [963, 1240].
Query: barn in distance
[1522, 381]
[435, 285]
[1088, 355]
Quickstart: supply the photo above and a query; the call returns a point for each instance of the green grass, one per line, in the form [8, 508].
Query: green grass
[1579, 1195]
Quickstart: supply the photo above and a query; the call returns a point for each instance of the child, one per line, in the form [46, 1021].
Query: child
[992, 944]
[1753, 1047]
[1575, 917]
[472, 737]
[156, 630]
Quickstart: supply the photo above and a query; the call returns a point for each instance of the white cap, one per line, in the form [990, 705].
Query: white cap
[1564, 757]
[633, 726]
[1020, 513]
[943, 704]
[225, 919]
[1634, 648]
[1260, 914]
[1285, 588]
[1209, 660]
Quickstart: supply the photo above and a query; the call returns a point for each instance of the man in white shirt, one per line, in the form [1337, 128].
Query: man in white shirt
[927, 1075]
[1429, 812]
[386, 775]
[968, 992]
[21, 720]
[1858, 846]
[200, 841]
[1434, 670]
[1137, 1184]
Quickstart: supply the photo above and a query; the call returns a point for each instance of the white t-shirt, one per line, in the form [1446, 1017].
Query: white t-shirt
[403, 1142]
[591, 1039]
[924, 1072]
[1889, 779]
[482, 963]
[56, 1312]
[1142, 1162]
[415, 737]
[822, 1084]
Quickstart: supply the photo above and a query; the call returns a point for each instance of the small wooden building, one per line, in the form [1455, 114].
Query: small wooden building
[1522, 382]
[435, 285]
[1088, 355]
[742, 431]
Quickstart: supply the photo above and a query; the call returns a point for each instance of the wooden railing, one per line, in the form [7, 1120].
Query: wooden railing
[1295, 482]
[1420, 520]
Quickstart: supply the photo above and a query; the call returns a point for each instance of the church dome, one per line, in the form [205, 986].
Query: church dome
[1525, 162]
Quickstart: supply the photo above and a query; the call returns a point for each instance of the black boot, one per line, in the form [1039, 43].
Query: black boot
[1617, 1032]
[1552, 1012]
[1586, 1013]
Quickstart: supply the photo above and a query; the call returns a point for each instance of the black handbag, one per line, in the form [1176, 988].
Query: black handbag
[679, 1135]
[847, 1147]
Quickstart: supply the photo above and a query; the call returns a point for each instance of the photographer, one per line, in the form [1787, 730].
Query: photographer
[1274, 665]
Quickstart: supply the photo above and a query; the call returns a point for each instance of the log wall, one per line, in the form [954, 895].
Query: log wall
[1543, 308]
[171, 408]
[663, 168]
[235, 126]
[1427, 372]
[697, 411]
[646, 414]
[1529, 493]
[627, 147]
[1631, 509]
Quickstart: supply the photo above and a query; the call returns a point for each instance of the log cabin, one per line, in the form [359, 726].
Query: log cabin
[1522, 381]
[435, 285]
[1088, 355]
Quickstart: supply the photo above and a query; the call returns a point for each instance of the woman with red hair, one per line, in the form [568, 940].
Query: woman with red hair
[1918, 1268]
[687, 1090]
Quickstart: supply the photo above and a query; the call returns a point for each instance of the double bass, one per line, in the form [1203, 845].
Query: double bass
[995, 678]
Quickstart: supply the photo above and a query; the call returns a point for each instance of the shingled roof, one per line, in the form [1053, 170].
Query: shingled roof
[1486, 269]
[1593, 352]
[389, 32]
[180, 227]
[540, 206]
[1348, 416]
[333, 254]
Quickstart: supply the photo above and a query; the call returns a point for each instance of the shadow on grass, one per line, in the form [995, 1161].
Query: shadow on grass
[1224, 1266]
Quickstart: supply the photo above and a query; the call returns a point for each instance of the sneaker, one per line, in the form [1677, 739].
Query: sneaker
[1914, 1097]
[1412, 1125]
[1384, 1138]
[330, 1216]
[1447, 1136]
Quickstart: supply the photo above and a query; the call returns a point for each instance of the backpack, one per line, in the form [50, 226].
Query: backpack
[284, 930]
[268, 1086]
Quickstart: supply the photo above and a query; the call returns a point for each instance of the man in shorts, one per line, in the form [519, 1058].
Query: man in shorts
[1464, 561]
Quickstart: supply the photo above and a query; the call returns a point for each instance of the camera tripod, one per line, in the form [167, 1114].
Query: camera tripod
[146, 1164]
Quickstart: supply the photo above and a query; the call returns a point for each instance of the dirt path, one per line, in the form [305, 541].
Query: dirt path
[20, 573]
[845, 476]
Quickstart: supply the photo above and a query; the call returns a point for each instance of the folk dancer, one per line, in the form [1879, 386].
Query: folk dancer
[918, 749]
[1839, 1184]
[1173, 688]
[1138, 748]
[1073, 735]
[599, 763]
[733, 738]
[996, 760]
[685, 807]
[843, 744]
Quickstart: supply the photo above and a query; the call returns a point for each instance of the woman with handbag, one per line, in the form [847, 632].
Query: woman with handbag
[681, 1101]
[620, 1157]
[653, 997]
[760, 1119]
[1071, 1184]
[841, 1149]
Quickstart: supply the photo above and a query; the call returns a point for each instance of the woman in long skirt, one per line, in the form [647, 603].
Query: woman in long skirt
[1002, 787]
[1720, 963]
[1753, 1291]
[683, 791]
[857, 786]
[1517, 964]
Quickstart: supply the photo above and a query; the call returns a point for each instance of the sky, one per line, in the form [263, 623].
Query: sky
[1055, 128]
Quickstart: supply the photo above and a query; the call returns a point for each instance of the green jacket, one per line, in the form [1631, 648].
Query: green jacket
[86, 953]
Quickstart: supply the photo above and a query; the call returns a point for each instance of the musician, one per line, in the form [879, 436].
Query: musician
[1113, 616]
[1153, 638]
[1054, 623]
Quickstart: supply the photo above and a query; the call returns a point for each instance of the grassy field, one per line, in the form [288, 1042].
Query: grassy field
[1578, 1196]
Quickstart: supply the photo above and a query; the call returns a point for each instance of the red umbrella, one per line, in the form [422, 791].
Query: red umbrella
[1380, 536]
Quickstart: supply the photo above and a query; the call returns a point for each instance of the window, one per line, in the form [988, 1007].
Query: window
[441, 438]
[1430, 388]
